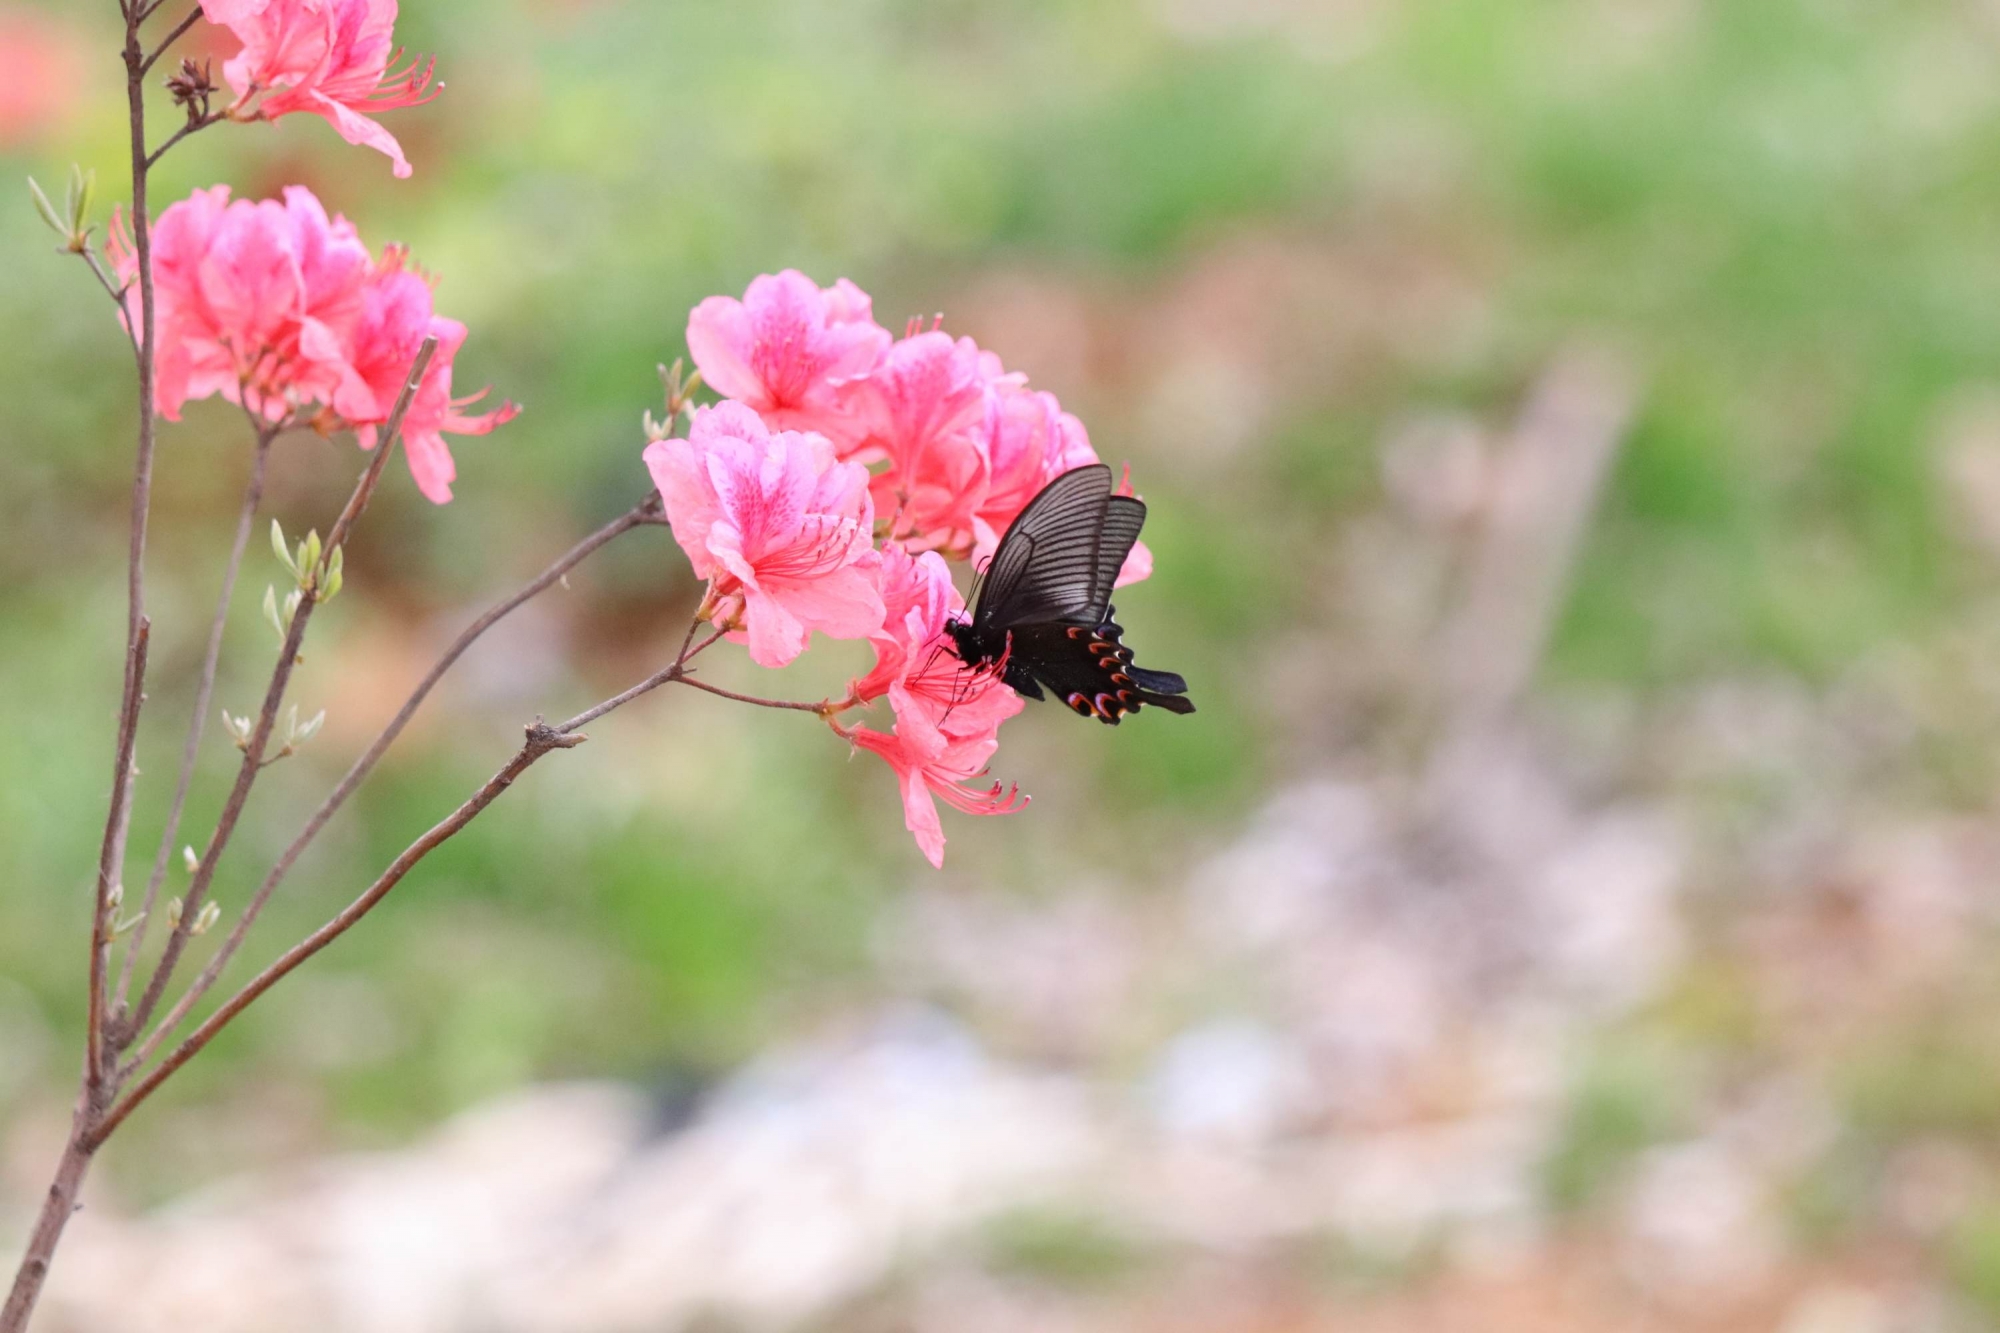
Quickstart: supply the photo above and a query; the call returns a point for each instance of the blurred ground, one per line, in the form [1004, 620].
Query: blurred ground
[1572, 431]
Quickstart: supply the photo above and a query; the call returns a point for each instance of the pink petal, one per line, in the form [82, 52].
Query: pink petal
[776, 635]
[359, 130]
[431, 465]
[844, 604]
[718, 338]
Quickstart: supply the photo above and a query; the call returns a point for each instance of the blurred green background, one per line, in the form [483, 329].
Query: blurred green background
[1249, 244]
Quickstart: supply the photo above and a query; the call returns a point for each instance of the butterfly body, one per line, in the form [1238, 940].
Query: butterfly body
[1043, 618]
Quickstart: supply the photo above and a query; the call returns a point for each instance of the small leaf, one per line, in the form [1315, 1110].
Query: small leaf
[47, 209]
[278, 545]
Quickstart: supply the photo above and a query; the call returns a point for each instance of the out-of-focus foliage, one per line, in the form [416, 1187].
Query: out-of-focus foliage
[1252, 246]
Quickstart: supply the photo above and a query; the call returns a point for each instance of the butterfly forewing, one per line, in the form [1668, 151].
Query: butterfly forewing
[1123, 517]
[1043, 612]
[1047, 565]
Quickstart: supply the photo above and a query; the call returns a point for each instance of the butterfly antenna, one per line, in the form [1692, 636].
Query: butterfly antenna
[978, 580]
[943, 641]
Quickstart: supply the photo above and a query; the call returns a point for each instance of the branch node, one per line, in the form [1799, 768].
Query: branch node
[542, 738]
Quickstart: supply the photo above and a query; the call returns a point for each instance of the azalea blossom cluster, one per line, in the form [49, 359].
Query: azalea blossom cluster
[277, 306]
[827, 492]
[830, 491]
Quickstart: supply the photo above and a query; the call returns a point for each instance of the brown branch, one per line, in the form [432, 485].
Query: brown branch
[386, 440]
[117, 819]
[180, 31]
[677, 671]
[253, 494]
[821, 708]
[645, 513]
[137, 627]
[57, 1207]
[112, 290]
[541, 740]
[274, 696]
[94, 1096]
[192, 127]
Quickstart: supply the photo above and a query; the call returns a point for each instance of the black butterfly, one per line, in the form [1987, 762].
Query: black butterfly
[1043, 615]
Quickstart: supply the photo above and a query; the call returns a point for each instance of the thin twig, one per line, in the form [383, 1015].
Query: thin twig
[116, 820]
[386, 440]
[192, 127]
[274, 696]
[688, 655]
[57, 1207]
[541, 740]
[644, 514]
[94, 1096]
[138, 629]
[113, 290]
[821, 707]
[676, 671]
[646, 686]
[180, 31]
[253, 495]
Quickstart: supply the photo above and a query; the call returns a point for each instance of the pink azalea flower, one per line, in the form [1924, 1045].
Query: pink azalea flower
[386, 345]
[936, 697]
[917, 599]
[928, 776]
[775, 518]
[787, 349]
[328, 58]
[924, 410]
[1032, 441]
[279, 305]
[396, 316]
[254, 300]
[1138, 565]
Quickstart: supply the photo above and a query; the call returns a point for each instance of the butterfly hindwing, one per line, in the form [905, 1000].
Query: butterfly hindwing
[1089, 668]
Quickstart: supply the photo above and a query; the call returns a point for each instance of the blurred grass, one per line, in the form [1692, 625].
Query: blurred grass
[1782, 208]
